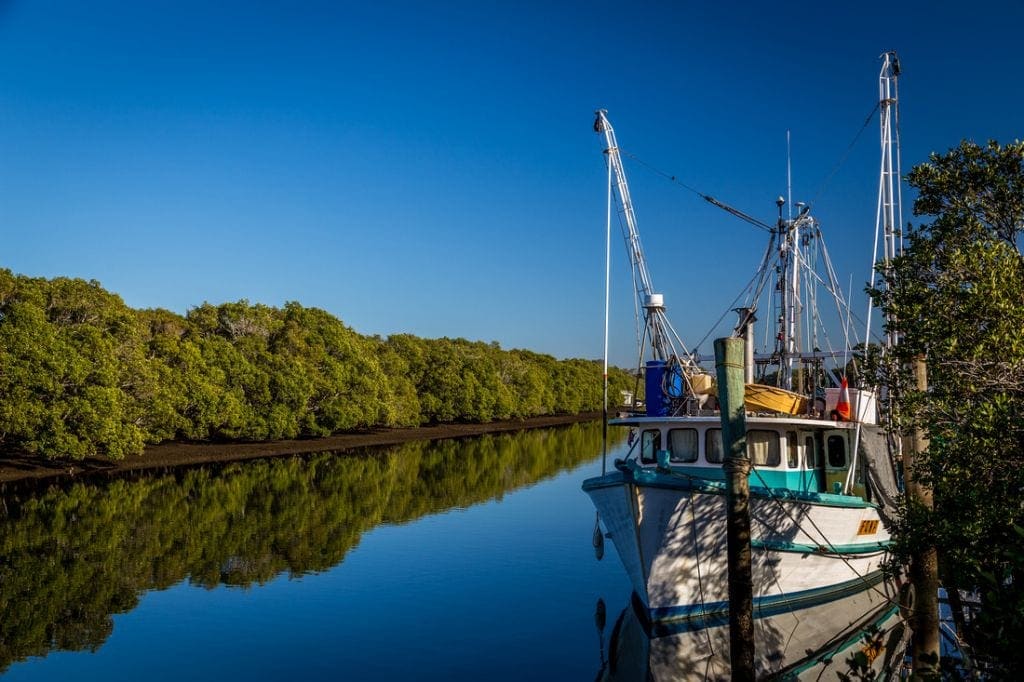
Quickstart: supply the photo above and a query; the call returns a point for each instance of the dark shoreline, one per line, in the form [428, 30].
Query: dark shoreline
[168, 455]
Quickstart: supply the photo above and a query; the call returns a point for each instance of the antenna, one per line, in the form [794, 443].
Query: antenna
[789, 176]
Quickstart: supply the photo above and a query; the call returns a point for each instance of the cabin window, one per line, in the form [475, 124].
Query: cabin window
[713, 446]
[763, 448]
[683, 444]
[836, 447]
[650, 443]
[792, 450]
[812, 452]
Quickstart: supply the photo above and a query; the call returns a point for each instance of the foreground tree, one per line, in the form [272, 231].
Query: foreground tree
[957, 298]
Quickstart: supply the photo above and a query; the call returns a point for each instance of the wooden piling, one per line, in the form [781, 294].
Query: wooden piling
[736, 463]
[924, 562]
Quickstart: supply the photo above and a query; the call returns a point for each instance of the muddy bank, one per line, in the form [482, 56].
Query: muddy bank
[166, 455]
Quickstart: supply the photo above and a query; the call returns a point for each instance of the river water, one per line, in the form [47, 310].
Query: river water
[468, 559]
[455, 560]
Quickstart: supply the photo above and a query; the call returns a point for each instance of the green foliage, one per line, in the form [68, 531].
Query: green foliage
[957, 298]
[71, 558]
[72, 373]
[459, 380]
[81, 374]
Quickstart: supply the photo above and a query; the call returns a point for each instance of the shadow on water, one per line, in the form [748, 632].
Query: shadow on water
[72, 556]
[862, 636]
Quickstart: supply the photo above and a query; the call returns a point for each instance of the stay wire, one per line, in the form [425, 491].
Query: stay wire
[706, 197]
[740, 214]
[761, 271]
[845, 155]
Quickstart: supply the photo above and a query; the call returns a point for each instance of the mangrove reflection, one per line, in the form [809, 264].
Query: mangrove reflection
[73, 556]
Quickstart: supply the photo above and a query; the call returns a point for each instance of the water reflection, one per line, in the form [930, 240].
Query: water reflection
[73, 556]
[862, 636]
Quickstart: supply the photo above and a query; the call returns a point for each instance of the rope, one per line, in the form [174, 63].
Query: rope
[696, 554]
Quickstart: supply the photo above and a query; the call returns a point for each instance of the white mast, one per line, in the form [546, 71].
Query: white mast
[659, 332]
[790, 264]
[889, 209]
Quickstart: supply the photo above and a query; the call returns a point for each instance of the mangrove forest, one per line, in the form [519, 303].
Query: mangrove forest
[82, 374]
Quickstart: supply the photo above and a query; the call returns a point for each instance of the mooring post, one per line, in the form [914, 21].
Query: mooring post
[736, 463]
[924, 563]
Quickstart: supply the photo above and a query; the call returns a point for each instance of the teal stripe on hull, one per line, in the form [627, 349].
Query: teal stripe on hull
[799, 481]
[695, 616]
[679, 479]
[838, 550]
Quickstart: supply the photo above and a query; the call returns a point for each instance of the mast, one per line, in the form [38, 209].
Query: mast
[889, 208]
[658, 331]
[788, 346]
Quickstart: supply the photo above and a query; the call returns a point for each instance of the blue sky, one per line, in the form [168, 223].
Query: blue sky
[431, 167]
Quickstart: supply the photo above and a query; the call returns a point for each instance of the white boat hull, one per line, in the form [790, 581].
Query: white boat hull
[670, 534]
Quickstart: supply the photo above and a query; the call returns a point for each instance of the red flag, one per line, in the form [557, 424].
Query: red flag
[843, 403]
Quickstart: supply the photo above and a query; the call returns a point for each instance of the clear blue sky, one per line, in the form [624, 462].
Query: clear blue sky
[431, 167]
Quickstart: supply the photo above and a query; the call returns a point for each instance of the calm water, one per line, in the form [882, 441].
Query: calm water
[460, 560]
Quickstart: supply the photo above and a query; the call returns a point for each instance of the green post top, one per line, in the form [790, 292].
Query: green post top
[729, 369]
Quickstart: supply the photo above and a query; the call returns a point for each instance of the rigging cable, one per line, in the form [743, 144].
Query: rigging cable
[728, 309]
[761, 272]
[845, 155]
[706, 197]
[754, 221]
[740, 214]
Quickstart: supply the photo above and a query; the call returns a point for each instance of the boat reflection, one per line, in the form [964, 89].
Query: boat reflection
[862, 636]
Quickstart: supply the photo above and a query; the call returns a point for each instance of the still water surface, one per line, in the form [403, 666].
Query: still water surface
[456, 560]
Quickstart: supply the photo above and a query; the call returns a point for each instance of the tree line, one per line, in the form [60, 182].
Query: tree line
[956, 300]
[82, 374]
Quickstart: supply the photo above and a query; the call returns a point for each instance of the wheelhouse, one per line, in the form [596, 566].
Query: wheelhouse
[809, 456]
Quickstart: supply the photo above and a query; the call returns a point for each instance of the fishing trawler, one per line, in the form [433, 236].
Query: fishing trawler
[823, 482]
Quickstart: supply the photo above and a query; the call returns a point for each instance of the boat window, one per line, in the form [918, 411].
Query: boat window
[763, 448]
[683, 444]
[792, 450]
[812, 452]
[713, 446]
[836, 447]
[650, 443]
